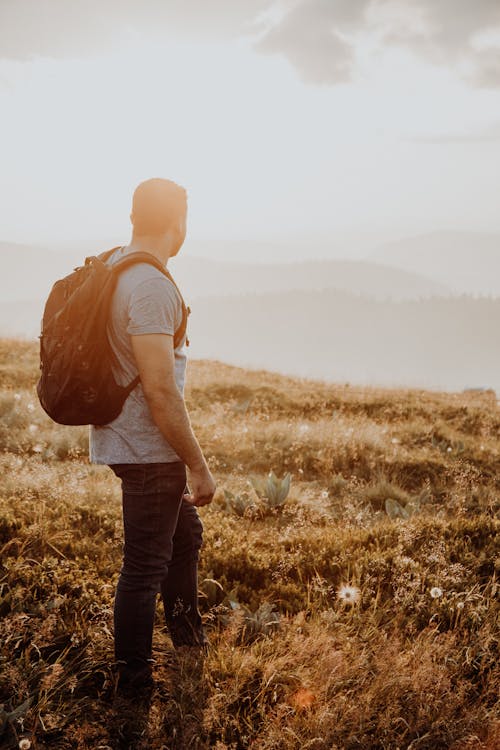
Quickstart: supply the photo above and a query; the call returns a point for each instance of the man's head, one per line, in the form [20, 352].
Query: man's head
[159, 208]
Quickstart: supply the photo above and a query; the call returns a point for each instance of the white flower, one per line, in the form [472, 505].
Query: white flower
[33, 428]
[17, 396]
[460, 605]
[31, 407]
[24, 744]
[436, 592]
[348, 594]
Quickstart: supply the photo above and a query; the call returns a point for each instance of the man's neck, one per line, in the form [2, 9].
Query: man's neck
[156, 246]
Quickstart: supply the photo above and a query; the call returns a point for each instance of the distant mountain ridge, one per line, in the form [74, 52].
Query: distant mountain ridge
[467, 262]
[201, 277]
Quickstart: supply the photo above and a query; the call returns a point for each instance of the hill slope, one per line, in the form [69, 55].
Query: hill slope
[394, 493]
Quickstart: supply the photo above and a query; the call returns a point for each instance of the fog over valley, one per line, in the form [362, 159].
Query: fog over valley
[388, 319]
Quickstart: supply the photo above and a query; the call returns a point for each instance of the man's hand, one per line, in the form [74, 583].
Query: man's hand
[202, 486]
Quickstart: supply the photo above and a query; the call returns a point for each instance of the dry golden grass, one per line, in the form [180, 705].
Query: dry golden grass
[293, 663]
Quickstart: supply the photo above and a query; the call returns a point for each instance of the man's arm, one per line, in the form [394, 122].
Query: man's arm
[154, 355]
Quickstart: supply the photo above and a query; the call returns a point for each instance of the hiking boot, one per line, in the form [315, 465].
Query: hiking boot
[136, 684]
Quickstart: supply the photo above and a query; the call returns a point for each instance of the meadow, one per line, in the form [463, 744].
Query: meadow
[360, 612]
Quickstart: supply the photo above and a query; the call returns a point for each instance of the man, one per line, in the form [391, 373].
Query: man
[151, 443]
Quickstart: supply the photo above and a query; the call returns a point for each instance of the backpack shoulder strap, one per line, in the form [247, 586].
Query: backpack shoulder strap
[143, 257]
[108, 253]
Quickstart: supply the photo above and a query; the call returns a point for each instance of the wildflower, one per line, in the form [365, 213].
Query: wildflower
[24, 744]
[436, 592]
[460, 605]
[348, 594]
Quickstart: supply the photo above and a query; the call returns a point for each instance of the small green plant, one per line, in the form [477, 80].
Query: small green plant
[242, 406]
[212, 591]
[398, 510]
[240, 504]
[395, 509]
[262, 622]
[336, 485]
[271, 490]
[377, 494]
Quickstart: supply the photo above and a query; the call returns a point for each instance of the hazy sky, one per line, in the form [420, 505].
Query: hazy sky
[288, 119]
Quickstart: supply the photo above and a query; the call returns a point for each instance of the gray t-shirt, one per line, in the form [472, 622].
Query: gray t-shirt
[145, 301]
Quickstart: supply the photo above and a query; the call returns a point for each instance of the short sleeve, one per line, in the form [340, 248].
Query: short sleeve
[154, 307]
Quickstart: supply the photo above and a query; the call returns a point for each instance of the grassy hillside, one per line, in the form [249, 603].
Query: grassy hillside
[393, 493]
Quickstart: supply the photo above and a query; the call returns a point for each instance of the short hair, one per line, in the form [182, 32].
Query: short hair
[157, 205]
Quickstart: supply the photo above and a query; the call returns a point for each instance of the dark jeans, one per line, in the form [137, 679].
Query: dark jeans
[162, 538]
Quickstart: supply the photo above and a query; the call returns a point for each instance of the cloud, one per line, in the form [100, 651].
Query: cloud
[320, 38]
[312, 37]
[448, 33]
[486, 73]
